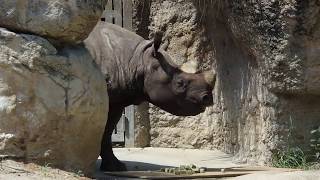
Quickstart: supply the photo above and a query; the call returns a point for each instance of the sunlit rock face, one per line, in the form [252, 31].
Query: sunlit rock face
[53, 103]
[67, 21]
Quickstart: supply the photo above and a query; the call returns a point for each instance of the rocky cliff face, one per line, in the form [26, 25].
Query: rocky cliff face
[280, 40]
[53, 99]
[266, 54]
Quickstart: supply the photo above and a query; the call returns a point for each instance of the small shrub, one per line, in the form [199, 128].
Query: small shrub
[45, 169]
[291, 158]
[315, 144]
[294, 157]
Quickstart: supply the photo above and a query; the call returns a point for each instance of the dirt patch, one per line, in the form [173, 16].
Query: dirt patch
[17, 170]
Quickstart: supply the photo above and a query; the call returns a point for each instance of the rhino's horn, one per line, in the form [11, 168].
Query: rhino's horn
[210, 77]
[189, 67]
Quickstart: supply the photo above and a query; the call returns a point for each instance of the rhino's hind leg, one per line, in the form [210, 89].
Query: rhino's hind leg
[109, 160]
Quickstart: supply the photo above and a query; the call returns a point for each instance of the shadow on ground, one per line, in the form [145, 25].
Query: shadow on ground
[131, 166]
[138, 166]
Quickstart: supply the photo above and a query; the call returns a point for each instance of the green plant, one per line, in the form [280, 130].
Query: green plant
[315, 144]
[295, 157]
[45, 169]
[1, 165]
[290, 158]
[78, 173]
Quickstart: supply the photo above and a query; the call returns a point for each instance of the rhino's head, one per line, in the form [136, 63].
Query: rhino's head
[170, 88]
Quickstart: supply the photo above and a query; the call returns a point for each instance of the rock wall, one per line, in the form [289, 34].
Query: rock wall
[282, 39]
[266, 54]
[53, 97]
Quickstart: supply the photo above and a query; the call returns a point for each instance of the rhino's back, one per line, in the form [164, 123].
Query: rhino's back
[111, 46]
[116, 51]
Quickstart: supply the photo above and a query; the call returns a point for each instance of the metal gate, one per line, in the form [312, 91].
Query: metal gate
[119, 12]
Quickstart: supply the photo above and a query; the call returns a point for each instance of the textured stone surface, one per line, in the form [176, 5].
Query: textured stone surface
[53, 103]
[284, 36]
[266, 54]
[276, 95]
[61, 20]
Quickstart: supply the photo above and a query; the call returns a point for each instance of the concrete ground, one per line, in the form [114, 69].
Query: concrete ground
[150, 159]
[155, 158]
[144, 159]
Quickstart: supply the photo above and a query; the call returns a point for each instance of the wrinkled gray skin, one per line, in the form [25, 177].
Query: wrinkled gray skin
[138, 70]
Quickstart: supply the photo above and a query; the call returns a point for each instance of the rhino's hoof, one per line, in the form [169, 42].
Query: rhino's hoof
[113, 166]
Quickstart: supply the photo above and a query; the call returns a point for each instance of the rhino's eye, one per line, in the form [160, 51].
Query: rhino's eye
[155, 66]
[205, 98]
[180, 82]
[180, 85]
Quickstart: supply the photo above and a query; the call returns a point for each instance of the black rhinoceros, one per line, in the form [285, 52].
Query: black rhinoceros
[138, 70]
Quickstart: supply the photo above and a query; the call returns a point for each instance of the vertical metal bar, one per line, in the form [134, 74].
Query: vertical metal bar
[118, 12]
[129, 130]
[113, 14]
[127, 14]
[130, 110]
[107, 13]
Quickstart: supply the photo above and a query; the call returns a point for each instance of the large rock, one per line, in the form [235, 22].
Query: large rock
[53, 103]
[61, 20]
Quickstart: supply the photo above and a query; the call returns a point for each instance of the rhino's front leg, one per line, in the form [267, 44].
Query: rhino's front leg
[109, 160]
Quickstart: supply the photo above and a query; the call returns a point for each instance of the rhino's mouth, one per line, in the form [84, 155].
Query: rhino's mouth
[199, 105]
[203, 108]
[191, 110]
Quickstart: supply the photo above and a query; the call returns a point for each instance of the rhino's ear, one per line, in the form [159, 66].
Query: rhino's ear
[157, 39]
[165, 45]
